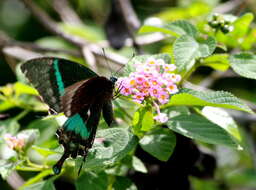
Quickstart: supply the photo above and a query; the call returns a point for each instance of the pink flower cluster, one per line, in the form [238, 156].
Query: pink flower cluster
[15, 142]
[153, 79]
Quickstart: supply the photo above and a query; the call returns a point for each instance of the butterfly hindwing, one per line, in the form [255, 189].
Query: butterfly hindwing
[50, 76]
[107, 112]
[91, 92]
[71, 137]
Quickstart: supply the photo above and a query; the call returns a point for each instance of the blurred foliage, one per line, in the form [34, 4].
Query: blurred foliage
[200, 43]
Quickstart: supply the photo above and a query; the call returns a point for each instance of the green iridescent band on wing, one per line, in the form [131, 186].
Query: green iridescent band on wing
[77, 125]
[59, 80]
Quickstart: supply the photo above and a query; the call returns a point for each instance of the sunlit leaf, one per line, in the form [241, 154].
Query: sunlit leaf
[244, 64]
[21, 88]
[193, 10]
[217, 61]
[138, 165]
[186, 49]
[223, 119]
[176, 28]
[147, 122]
[222, 99]
[199, 128]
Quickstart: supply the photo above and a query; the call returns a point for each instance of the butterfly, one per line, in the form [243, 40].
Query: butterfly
[80, 94]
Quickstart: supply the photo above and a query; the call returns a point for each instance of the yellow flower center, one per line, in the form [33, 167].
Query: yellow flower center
[133, 82]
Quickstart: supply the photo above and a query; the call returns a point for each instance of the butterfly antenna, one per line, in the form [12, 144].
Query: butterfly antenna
[105, 57]
[133, 55]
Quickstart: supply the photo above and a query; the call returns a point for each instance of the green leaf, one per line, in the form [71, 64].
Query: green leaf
[222, 99]
[222, 119]
[193, 10]
[43, 151]
[173, 111]
[242, 177]
[199, 184]
[217, 61]
[8, 126]
[200, 128]
[147, 122]
[123, 183]
[117, 143]
[21, 88]
[159, 143]
[44, 185]
[142, 120]
[186, 49]
[47, 128]
[244, 64]
[7, 167]
[54, 42]
[129, 67]
[5, 105]
[138, 165]
[176, 28]
[242, 25]
[237, 37]
[92, 181]
[91, 33]
[37, 179]
[249, 40]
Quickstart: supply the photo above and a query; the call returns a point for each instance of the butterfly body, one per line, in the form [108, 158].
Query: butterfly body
[78, 92]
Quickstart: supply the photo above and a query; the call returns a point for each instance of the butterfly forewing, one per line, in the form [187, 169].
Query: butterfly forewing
[50, 76]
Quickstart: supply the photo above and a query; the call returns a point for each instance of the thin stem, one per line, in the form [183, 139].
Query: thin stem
[157, 107]
[21, 115]
[34, 165]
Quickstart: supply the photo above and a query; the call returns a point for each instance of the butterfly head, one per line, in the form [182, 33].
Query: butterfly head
[113, 79]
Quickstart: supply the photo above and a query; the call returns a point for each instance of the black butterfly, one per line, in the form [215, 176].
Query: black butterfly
[77, 91]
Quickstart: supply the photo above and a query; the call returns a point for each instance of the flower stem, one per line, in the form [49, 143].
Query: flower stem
[21, 115]
[157, 107]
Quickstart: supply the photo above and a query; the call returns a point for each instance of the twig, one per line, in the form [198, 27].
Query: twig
[131, 20]
[141, 40]
[214, 76]
[228, 6]
[39, 48]
[130, 16]
[67, 14]
[6, 41]
[24, 51]
[52, 26]
[151, 38]
[20, 53]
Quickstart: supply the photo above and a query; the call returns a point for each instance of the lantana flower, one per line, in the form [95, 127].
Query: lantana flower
[15, 142]
[153, 79]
